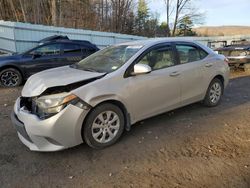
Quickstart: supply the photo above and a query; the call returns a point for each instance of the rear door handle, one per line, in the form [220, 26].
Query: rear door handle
[209, 64]
[175, 73]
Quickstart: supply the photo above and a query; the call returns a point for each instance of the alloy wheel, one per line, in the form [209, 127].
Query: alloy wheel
[215, 92]
[9, 78]
[105, 126]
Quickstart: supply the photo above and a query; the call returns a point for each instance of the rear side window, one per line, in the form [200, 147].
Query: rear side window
[71, 48]
[188, 53]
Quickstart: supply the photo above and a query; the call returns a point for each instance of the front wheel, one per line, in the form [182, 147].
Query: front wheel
[10, 77]
[103, 126]
[214, 93]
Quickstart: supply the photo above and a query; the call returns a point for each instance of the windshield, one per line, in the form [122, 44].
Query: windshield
[108, 59]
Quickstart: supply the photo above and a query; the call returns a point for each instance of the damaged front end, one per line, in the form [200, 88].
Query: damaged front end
[47, 106]
[54, 99]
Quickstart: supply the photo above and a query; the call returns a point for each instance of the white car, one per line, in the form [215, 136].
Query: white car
[95, 100]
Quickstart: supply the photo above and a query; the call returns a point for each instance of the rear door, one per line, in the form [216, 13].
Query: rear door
[193, 69]
[71, 53]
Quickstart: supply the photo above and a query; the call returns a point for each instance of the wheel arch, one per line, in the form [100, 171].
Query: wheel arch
[220, 77]
[118, 104]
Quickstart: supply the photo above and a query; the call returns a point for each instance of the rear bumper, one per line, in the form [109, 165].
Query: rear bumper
[58, 132]
[239, 59]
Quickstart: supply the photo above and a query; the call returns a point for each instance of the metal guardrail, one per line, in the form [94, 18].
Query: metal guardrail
[18, 37]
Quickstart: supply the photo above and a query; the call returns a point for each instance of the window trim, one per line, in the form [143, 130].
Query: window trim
[192, 45]
[142, 55]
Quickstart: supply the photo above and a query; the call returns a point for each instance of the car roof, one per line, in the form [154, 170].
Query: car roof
[61, 38]
[53, 38]
[79, 42]
[155, 41]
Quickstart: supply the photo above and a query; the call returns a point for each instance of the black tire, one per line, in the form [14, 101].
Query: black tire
[89, 130]
[10, 77]
[208, 99]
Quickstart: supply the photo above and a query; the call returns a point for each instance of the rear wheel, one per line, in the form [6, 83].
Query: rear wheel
[214, 93]
[103, 126]
[10, 77]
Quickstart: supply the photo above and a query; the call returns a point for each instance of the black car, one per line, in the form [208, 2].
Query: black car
[50, 54]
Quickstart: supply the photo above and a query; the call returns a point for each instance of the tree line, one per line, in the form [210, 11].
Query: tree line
[120, 16]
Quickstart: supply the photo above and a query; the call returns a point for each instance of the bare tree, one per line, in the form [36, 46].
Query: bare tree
[23, 10]
[169, 10]
[180, 5]
[54, 12]
[177, 10]
[13, 9]
[122, 16]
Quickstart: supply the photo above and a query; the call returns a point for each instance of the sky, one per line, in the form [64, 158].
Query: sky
[217, 12]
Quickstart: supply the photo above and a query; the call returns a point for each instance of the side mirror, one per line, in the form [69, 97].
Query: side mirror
[36, 55]
[141, 69]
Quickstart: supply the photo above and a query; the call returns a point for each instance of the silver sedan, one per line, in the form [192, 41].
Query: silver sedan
[95, 100]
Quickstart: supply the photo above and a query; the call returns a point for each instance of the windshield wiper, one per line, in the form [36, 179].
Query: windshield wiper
[91, 70]
[76, 66]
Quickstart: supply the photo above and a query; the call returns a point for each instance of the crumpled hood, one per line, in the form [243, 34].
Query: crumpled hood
[61, 76]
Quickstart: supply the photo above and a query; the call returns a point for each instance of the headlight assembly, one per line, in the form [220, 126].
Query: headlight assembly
[49, 105]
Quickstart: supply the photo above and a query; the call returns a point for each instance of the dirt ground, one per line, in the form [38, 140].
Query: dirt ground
[191, 147]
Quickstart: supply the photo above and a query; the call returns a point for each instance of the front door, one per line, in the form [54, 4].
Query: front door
[42, 58]
[158, 91]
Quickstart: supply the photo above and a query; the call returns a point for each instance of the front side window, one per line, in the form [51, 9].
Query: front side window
[188, 53]
[159, 58]
[108, 59]
[51, 49]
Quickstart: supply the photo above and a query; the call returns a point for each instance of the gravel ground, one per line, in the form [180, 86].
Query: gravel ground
[191, 147]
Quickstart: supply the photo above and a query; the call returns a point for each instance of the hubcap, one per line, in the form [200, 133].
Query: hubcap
[9, 78]
[105, 126]
[215, 93]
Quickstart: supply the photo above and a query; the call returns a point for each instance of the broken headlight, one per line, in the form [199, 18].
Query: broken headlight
[50, 105]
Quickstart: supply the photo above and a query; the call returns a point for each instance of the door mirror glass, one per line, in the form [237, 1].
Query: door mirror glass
[141, 69]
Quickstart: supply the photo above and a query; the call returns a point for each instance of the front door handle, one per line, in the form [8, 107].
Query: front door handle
[209, 64]
[175, 73]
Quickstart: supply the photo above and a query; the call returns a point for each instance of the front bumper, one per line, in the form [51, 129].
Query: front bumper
[58, 132]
